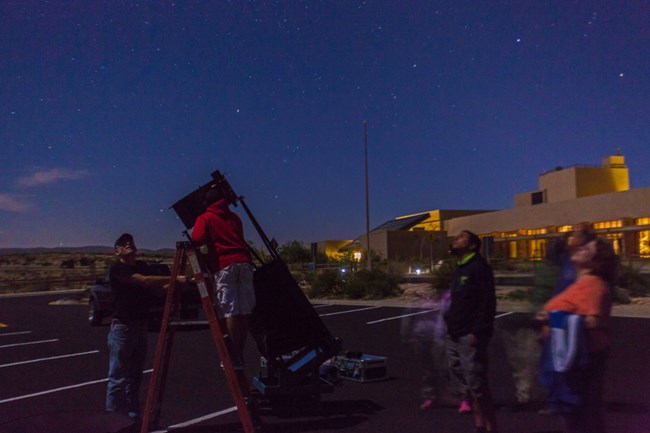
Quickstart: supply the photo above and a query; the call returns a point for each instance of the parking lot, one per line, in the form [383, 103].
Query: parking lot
[53, 370]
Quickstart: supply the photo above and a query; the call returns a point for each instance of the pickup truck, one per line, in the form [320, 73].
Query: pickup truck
[100, 303]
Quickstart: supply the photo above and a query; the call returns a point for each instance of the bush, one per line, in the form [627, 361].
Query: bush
[326, 284]
[442, 276]
[375, 284]
[633, 281]
[546, 277]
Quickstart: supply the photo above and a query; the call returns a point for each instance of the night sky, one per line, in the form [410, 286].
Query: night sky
[112, 111]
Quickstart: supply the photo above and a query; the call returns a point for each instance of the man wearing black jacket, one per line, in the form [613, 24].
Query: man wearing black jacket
[470, 323]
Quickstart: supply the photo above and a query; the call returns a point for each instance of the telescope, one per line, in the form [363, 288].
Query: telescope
[290, 336]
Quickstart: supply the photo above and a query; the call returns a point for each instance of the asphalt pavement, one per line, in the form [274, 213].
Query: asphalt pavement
[53, 376]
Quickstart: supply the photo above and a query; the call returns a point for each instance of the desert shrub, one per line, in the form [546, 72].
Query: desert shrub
[67, 264]
[86, 261]
[442, 275]
[375, 284]
[633, 281]
[546, 277]
[326, 284]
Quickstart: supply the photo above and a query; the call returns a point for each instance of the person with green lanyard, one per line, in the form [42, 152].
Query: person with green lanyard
[470, 324]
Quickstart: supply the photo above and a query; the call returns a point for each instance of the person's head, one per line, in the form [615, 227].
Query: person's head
[582, 235]
[211, 196]
[464, 243]
[125, 246]
[598, 258]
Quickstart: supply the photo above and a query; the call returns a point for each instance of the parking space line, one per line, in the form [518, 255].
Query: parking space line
[322, 305]
[423, 312]
[48, 359]
[400, 317]
[65, 388]
[349, 311]
[198, 420]
[4, 334]
[28, 343]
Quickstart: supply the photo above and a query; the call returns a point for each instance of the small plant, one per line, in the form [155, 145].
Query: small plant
[633, 281]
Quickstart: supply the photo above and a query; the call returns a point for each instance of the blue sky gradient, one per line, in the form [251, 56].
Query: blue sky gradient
[112, 111]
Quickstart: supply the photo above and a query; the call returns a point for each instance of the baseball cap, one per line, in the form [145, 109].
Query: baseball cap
[123, 239]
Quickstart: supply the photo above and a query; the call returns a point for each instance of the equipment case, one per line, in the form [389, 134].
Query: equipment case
[360, 367]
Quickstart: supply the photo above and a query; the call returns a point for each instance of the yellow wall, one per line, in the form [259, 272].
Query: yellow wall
[593, 181]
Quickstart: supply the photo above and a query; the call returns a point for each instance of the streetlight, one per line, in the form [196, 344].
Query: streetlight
[365, 145]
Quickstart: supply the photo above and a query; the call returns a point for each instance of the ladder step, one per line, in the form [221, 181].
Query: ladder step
[189, 325]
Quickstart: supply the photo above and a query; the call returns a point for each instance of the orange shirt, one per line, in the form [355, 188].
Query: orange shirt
[589, 296]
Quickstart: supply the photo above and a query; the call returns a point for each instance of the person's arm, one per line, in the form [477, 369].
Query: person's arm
[480, 284]
[199, 231]
[157, 285]
[593, 322]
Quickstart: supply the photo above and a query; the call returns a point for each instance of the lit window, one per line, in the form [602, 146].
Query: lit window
[513, 249]
[643, 221]
[644, 243]
[564, 229]
[609, 224]
[615, 239]
[537, 248]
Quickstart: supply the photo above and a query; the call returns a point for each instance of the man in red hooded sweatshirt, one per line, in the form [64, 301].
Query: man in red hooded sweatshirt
[231, 263]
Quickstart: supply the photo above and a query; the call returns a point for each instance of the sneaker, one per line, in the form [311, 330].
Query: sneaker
[426, 404]
[464, 407]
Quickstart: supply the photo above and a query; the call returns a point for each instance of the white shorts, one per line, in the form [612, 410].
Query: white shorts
[235, 293]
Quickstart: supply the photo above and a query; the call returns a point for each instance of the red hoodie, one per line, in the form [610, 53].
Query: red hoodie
[221, 226]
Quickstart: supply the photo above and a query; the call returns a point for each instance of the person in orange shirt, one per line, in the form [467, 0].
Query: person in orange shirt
[590, 296]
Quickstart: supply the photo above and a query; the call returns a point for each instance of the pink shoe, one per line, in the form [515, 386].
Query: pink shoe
[464, 407]
[426, 404]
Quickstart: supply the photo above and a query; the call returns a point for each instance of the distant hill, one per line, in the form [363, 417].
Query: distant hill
[92, 249]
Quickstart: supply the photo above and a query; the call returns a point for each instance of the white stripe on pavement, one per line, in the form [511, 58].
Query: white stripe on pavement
[50, 391]
[504, 314]
[4, 334]
[348, 311]
[48, 359]
[198, 420]
[28, 343]
[402, 316]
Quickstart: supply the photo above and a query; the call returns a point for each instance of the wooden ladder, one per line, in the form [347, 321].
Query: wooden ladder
[237, 383]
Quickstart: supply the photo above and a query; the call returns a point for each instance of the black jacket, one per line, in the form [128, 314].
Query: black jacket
[473, 300]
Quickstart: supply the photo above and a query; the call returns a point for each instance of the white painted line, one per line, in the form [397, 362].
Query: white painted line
[504, 314]
[48, 359]
[322, 305]
[198, 420]
[400, 317]
[50, 391]
[349, 311]
[28, 343]
[4, 334]
[46, 293]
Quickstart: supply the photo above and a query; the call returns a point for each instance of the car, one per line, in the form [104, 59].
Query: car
[100, 302]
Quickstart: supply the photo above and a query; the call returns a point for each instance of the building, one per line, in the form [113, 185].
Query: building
[566, 196]
[600, 196]
[415, 238]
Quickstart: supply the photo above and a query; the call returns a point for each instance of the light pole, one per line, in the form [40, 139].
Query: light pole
[365, 145]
